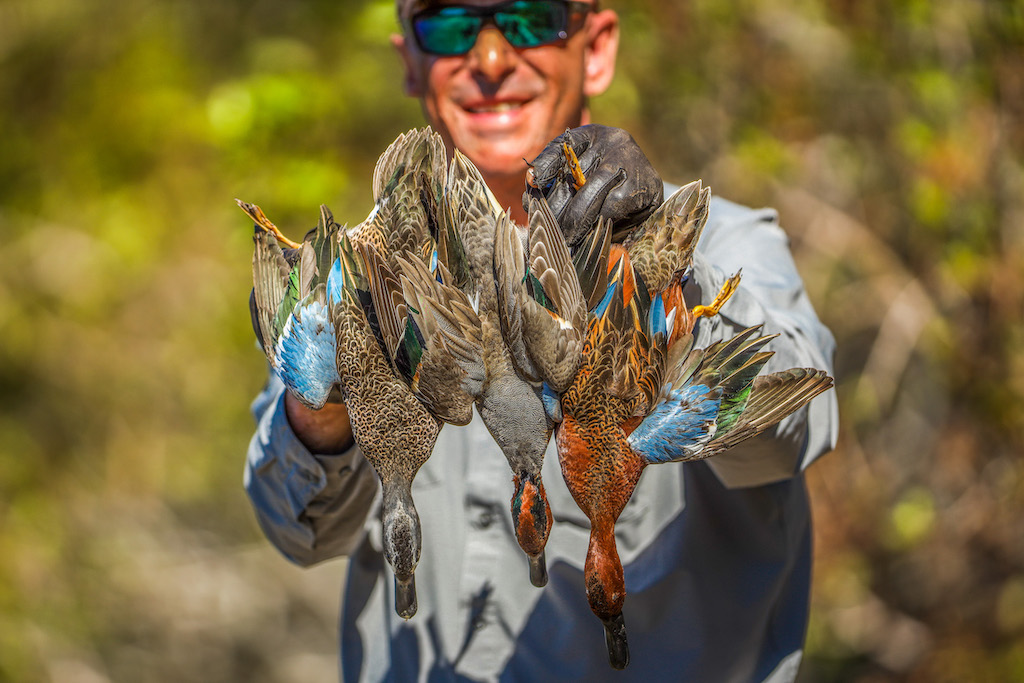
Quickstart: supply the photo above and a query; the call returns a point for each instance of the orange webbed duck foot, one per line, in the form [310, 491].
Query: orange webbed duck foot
[723, 295]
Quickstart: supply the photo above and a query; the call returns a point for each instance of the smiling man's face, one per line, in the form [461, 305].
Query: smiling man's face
[500, 105]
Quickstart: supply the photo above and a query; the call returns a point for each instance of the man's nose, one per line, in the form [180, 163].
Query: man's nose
[492, 56]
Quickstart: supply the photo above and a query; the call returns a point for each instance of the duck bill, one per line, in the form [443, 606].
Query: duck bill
[405, 597]
[539, 571]
[615, 639]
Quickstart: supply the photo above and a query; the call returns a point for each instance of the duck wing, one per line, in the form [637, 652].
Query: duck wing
[662, 246]
[715, 398]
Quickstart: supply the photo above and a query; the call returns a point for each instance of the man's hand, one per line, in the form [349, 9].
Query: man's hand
[620, 183]
[326, 431]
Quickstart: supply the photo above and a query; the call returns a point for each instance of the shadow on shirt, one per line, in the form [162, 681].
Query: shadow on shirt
[721, 594]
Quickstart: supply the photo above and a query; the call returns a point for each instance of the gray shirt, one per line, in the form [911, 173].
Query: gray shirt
[717, 554]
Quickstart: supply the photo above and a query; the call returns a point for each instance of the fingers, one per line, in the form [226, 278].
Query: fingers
[620, 183]
[633, 201]
[581, 212]
[553, 181]
[577, 211]
[550, 163]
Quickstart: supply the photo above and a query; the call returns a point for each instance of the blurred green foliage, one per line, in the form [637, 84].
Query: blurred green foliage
[890, 135]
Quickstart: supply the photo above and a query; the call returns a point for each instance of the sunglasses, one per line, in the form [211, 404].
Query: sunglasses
[451, 30]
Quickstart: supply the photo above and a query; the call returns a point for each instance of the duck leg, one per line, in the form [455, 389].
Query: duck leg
[723, 295]
[578, 179]
[260, 218]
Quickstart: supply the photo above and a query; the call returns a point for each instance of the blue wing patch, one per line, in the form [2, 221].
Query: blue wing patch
[656, 322]
[552, 406]
[678, 428]
[335, 283]
[603, 305]
[307, 355]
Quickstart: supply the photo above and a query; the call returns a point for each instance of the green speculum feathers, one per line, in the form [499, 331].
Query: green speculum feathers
[730, 411]
[536, 290]
[291, 297]
[410, 350]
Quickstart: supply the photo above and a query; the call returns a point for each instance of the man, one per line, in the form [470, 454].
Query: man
[716, 554]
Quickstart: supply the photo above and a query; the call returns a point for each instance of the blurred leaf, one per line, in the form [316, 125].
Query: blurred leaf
[913, 518]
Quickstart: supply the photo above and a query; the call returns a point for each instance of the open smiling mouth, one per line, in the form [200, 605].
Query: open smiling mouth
[496, 108]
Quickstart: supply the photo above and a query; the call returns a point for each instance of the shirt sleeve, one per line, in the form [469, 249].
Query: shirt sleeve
[312, 507]
[771, 293]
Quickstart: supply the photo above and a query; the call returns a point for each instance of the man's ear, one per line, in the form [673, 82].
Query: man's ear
[412, 82]
[602, 48]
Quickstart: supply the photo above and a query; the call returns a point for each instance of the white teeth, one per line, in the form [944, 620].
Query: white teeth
[495, 108]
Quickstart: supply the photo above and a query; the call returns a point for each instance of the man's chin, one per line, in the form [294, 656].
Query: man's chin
[495, 153]
[495, 165]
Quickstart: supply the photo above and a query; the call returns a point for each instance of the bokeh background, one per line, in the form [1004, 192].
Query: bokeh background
[890, 135]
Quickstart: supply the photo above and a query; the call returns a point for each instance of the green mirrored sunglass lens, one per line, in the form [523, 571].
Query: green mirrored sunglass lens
[448, 34]
[527, 24]
[452, 30]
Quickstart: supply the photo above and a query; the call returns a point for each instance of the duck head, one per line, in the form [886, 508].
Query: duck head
[402, 542]
[514, 413]
[606, 590]
[531, 516]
